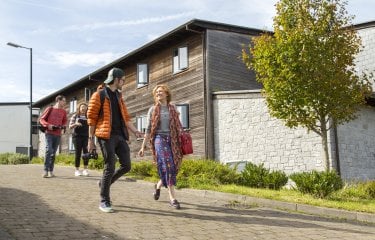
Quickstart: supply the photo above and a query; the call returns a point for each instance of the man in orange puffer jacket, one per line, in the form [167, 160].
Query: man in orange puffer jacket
[110, 124]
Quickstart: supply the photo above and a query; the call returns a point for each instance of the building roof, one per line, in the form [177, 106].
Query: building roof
[195, 26]
[14, 103]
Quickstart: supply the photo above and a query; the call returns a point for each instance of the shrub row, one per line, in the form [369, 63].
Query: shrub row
[195, 173]
[13, 158]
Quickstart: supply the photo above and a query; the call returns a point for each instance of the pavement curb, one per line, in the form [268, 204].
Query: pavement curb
[295, 207]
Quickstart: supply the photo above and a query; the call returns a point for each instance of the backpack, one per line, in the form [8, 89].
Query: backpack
[41, 127]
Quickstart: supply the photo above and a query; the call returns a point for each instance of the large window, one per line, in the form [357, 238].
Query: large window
[73, 105]
[180, 59]
[142, 74]
[184, 115]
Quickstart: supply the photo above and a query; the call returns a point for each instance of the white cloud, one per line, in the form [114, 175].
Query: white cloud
[123, 23]
[68, 59]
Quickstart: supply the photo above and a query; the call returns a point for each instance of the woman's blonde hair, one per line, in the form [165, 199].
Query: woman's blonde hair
[78, 111]
[165, 89]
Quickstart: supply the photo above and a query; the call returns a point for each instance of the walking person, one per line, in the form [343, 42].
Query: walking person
[54, 119]
[163, 131]
[80, 135]
[109, 121]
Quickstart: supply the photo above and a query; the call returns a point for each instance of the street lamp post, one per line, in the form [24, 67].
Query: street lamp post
[31, 97]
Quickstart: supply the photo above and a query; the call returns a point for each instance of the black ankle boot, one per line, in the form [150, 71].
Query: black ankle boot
[156, 193]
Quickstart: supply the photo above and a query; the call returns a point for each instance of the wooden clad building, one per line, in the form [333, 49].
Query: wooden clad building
[194, 60]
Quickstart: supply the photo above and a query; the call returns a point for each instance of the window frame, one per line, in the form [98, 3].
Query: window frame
[145, 75]
[182, 117]
[180, 56]
[141, 123]
[73, 105]
[71, 144]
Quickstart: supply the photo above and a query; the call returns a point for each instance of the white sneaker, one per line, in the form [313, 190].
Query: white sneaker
[85, 172]
[77, 173]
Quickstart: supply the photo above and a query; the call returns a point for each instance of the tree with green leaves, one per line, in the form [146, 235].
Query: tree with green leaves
[307, 67]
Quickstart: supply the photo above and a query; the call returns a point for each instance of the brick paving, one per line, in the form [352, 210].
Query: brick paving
[66, 207]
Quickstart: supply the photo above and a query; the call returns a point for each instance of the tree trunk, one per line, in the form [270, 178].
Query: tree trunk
[325, 144]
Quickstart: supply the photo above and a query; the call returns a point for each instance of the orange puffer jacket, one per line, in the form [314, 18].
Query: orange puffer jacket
[103, 123]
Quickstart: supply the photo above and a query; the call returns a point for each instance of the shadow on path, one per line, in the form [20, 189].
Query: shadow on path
[24, 215]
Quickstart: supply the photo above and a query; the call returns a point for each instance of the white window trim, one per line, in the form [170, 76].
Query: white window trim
[181, 61]
[182, 116]
[146, 75]
[73, 105]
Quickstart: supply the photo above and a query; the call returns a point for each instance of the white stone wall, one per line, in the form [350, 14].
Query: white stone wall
[365, 60]
[244, 131]
[356, 141]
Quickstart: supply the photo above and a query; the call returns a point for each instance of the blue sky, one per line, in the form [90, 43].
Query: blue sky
[72, 38]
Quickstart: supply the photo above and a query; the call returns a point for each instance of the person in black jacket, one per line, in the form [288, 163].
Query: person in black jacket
[78, 122]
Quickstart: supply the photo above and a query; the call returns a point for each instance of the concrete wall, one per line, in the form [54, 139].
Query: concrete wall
[244, 131]
[356, 141]
[14, 127]
[365, 60]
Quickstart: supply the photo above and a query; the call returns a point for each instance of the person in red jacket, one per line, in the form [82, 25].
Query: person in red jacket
[54, 120]
[110, 123]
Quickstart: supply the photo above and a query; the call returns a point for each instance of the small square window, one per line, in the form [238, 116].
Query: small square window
[183, 109]
[142, 74]
[142, 123]
[71, 145]
[73, 105]
[89, 92]
[180, 59]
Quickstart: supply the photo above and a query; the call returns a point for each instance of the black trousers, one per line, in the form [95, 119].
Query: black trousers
[80, 144]
[116, 145]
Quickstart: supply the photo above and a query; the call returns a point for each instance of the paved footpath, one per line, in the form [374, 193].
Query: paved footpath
[66, 207]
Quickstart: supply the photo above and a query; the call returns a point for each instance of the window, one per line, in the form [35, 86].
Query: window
[180, 59]
[142, 123]
[88, 93]
[73, 105]
[142, 74]
[71, 145]
[184, 114]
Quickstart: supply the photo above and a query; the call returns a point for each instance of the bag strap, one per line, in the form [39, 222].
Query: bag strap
[48, 111]
[102, 97]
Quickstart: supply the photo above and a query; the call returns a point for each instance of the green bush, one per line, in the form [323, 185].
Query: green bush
[13, 158]
[276, 180]
[193, 172]
[143, 169]
[351, 190]
[259, 177]
[69, 159]
[37, 160]
[370, 189]
[253, 175]
[318, 184]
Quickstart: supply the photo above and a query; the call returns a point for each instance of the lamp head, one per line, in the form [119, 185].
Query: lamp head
[13, 45]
